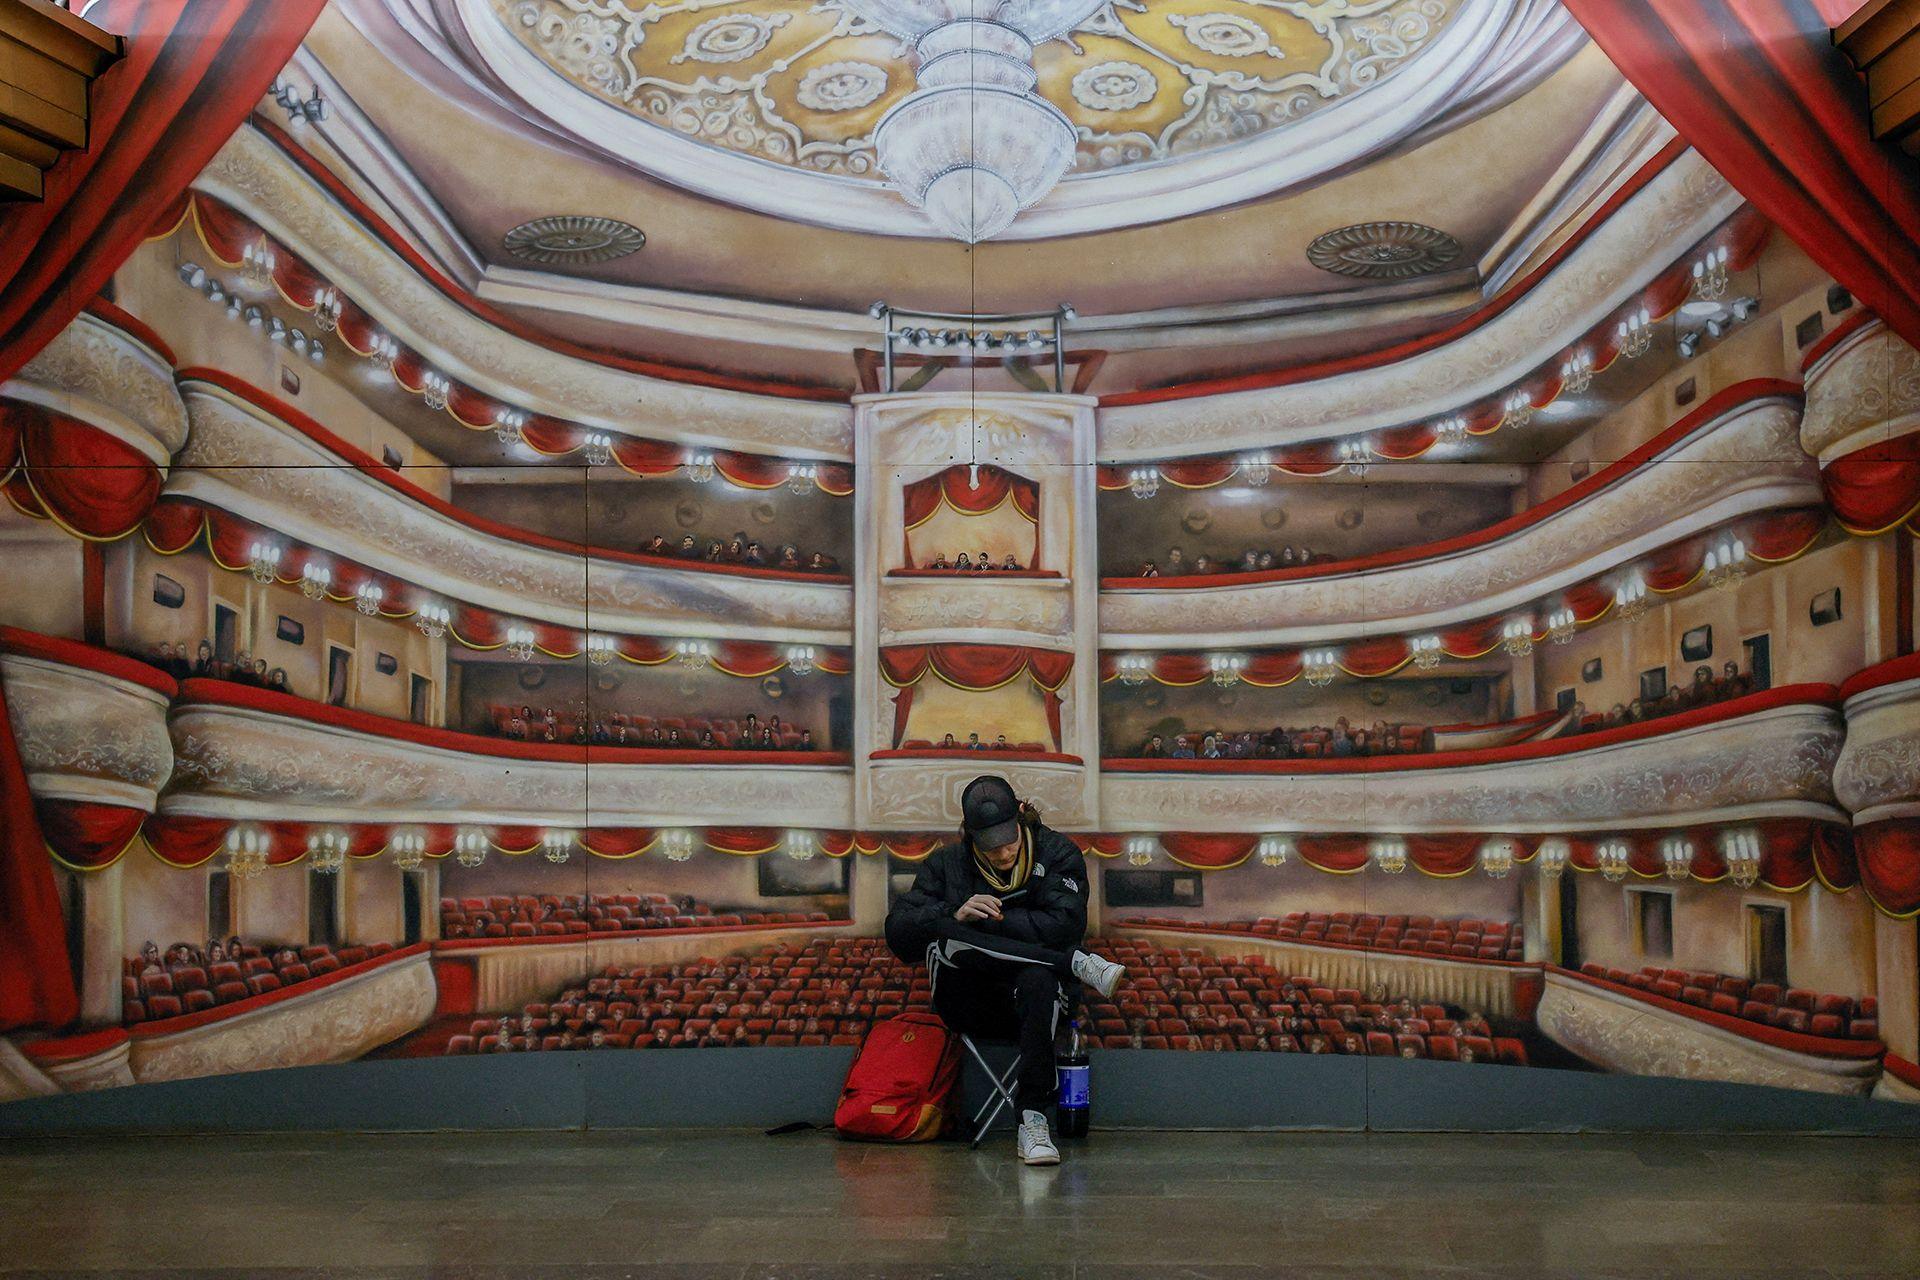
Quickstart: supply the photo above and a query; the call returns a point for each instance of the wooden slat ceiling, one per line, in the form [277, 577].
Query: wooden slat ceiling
[1883, 40]
[48, 58]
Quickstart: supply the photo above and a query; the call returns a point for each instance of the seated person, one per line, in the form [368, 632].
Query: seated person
[963, 564]
[941, 562]
[1155, 748]
[1704, 688]
[654, 546]
[1182, 749]
[1734, 682]
[716, 552]
[706, 740]
[1000, 743]
[790, 559]
[823, 563]
[1176, 562]
[203, 663]
[689, 548]
[806, 741]
[1249, 560]
[999, 915]
[277, 680]
[983, 563]
[974, 743]
[242, 671]
[735, 551]
[948, 744]
[1203, 563]
[1265, 560]
[1286, 558]
[1010, 564]
[1149, 570]
[754, 554]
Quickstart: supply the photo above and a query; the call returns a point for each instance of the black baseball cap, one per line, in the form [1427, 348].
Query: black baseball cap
[990, 812]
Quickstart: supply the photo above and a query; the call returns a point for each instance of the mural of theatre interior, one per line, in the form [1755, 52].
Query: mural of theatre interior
[516, 543]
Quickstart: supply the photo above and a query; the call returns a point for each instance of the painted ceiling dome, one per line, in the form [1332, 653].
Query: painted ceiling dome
[1174, 106]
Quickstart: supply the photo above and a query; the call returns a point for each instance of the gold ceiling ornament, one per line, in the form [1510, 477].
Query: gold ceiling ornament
[804, 83]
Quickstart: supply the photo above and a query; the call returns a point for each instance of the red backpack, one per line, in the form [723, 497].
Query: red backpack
[901, 1081]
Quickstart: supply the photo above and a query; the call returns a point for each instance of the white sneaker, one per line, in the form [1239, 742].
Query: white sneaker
[1101, 974]
[1035, 1140]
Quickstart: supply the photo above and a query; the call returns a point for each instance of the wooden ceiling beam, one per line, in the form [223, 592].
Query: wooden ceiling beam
[49, 57]
[1883, 42]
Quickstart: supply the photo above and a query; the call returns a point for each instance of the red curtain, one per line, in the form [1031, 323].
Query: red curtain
[193, 71]
[957, 486]
[1757, 88]
[36, 980]
[743, 840]
[88, 481]
[1208, 851]
[1873, 489]
[976, 668]
[1889, 854]
[87, 835]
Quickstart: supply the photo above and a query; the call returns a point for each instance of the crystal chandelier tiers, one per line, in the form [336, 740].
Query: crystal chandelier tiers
[973, 145]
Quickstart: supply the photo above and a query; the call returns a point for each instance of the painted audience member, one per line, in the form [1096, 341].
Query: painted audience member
[689, 548]
[790, 559]
[1155, 749]
[984, 562]
[277, 679]
[1011, 564]
[806, 740]
[974, 743]
[948, 744]
[963, 564]
[1176, 562]
[940, 561]
[655, 546]
[1149, 570]
[1000, 743]
[1182, 749]
[1735, 682]
[754, 554]
[203, 664]
[1203, 563]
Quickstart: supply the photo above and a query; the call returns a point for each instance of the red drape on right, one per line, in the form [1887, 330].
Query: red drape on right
[1889, 854]
[1757, 88]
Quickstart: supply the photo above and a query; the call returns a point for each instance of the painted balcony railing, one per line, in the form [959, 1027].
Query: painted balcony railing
[1766, 755]
[1640, 1033]
[264, 461]
[247, 753]
[1744, 442]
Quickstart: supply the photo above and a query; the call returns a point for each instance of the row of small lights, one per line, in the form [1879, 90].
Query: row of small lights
[257, 265]
[433, 618]
[1633, 336]
[257, 271]
[247, 848]
[1740, 847]
[1724, 567]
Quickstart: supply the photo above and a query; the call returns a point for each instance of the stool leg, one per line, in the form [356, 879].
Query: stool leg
[1001, 1097]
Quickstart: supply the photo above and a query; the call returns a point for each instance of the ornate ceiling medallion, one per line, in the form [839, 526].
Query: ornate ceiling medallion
[987, 108]
[573, 239]
[1384, 250]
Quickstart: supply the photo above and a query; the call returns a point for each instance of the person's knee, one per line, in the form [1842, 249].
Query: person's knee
[1034, 982]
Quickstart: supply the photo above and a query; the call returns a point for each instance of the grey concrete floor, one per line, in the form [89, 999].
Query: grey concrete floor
[1126, 1206]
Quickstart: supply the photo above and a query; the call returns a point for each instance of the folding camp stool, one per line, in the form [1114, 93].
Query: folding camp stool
[1001, 1083]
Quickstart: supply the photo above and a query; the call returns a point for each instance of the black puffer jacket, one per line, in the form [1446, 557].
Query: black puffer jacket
[1050, 909]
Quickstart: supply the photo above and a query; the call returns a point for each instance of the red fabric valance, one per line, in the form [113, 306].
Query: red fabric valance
[972, 491]
[87, 836]
[976, 668]
[89, 483]
[1889, 861]
[1758, 88]
[1876, 488]
[193, 70]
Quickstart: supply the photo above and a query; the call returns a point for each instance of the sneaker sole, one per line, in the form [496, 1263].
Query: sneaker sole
[1041, 1160]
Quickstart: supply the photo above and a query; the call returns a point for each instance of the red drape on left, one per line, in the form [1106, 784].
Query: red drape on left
[36, 979]
[85, 834]
[82, 477]
[1889, 854]
[193, 71]
[1757, 88]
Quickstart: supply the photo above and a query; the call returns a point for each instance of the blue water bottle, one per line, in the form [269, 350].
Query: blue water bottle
[1076, 1083]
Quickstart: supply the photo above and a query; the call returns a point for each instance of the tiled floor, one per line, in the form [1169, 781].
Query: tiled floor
[1133, 1206]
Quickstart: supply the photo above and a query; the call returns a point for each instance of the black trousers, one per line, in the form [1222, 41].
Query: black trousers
[993, 988]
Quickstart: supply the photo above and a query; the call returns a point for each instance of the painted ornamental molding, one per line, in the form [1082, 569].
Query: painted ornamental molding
[86, 735]
[1751, 461]
[1862, 390]
[107, 378]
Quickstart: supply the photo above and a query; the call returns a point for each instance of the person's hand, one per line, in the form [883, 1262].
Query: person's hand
[981, 906]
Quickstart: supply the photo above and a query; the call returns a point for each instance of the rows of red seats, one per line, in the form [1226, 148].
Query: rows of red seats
[1460, 939]
[830, 992]
[1187, 999]
[1788, 1008]
[550, 915]
[152, 992]
[827, 992]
